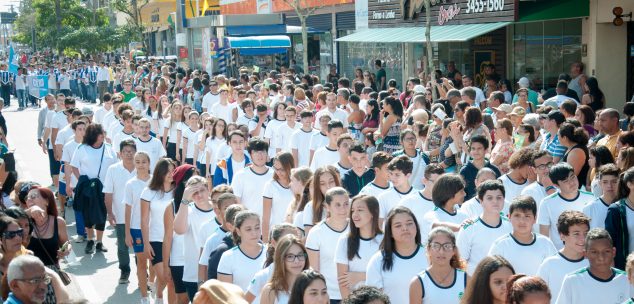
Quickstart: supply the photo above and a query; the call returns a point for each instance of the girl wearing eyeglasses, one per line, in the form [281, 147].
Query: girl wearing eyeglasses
[323, 236]
[444, 280]
[291, 259]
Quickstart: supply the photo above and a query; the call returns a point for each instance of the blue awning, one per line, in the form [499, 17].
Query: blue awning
[262, 52]
[259, 42]
[271, 29]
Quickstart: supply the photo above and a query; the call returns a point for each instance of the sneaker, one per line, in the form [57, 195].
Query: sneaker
[101, 247]
[145, 300]
[79, 239]
[158, 301]
[90, 247]
[124, 278]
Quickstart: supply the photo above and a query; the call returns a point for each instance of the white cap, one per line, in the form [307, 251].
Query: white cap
[420, 89]
[524, 82]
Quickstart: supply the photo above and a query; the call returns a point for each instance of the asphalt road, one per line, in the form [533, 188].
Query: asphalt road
[96, 277]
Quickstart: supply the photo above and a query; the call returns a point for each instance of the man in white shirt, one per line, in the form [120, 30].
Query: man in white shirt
[246, 182]
[562, 88]
[104, 110]
[212, 97]
[285, 131]
[328, 155]
[117, 176]
[467, 81]
[103, 78]
[542, 187]
[332, 110]
[222, 109]
[300, 140]
[148, 144]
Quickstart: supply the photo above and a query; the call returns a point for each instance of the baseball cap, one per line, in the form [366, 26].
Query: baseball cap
[419, 89]
[524, 82]
[519, 111]
[531, 119]
[505, 107]
[557, 116]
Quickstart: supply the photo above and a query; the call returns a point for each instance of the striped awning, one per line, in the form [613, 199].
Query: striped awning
[445, 33]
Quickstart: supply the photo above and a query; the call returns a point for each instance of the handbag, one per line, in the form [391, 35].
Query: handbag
[9, 161]
[65, 277]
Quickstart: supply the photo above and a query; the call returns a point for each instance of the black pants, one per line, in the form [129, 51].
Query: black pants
[5, 93]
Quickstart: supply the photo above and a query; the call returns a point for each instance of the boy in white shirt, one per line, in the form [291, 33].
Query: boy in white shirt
[569, 197]
[517, 179]
[320, 138]
[222, 108]
[608, 181]
[148, 144]
[524, 249]
[421, 202]
[285, 131]
[301, 140]
[599, 282]
[474, 240]
[543, 186]
[328, 155]
[126, 133]
[381, 182]
[472, 207]
[248, 183]
[400, 170]
[344, 142]
[448, 193]
[573, 227]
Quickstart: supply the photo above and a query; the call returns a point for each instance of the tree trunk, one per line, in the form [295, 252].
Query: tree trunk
[58, 22]
[302, 20]
[430, 52]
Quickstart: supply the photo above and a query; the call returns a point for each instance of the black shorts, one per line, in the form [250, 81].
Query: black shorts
[177, 278]
[157, 247]
[52, 163]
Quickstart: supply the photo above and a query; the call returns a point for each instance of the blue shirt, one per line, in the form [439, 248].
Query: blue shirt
[12, 299]
[554, 148]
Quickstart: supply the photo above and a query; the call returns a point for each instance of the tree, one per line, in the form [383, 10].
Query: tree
[430, 60]
[132, 9]
[303, 11]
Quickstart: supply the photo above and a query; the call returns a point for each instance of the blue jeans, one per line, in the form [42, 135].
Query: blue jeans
[92, 91]
[21, 98]
[79, 223]
[83, 90]
[74, 88]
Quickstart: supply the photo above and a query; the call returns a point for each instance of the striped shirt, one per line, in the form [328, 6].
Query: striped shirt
[554, 148]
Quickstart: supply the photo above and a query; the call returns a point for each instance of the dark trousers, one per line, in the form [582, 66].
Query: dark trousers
[123, 252]
[5, 93]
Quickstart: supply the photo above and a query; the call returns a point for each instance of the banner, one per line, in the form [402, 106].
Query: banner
[13, 61]
[38, 85]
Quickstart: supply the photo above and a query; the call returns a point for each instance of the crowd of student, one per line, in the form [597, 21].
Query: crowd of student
[294, 191]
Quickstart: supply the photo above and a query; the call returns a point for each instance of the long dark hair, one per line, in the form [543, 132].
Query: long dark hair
[179, 188]
[374, 115]
[301, 283]
[397, 106]
[161, 170]
[388, 246]
[602, 156]
[478, 290]
[354, 234]
[318, 197]
[626, 177]
[594, 91]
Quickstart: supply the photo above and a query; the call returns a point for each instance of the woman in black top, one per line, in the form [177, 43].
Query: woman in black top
[49, 231]
[575, 140]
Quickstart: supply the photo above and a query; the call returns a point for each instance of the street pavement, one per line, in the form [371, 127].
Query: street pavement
[96, 277]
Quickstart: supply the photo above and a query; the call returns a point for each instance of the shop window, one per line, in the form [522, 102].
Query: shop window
[543, 50]
[362, 55]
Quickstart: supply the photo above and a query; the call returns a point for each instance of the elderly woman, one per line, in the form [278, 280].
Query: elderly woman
[504, 145]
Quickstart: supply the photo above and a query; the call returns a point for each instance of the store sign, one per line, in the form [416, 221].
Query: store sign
[399, 13]
[361, 14]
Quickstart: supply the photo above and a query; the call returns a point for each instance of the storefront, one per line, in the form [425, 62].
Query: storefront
[538, 39]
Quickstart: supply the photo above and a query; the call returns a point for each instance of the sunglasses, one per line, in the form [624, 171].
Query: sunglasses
[11, 234]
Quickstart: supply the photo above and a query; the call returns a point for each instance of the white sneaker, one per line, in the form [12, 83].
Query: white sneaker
[79, 239]
[145, 300]
[158, 301]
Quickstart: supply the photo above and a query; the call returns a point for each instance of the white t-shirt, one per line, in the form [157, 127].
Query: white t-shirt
[307, 214]
[536, 191]
[48, 123]
[67, 154]
[555, 268]
[245, 186]
[133, 189]
[86, 159]
[153, 147]
[374, 190]
[173, 129]
[553, 205]
[218, 150]
[107, 120]
[395, 282]
[116, 178]
[284, 133]
[300, 140]
[280, 197]
[367, 248]
[64, 135]
[474, 241]
[158, 202]
[241, 267]
[60, 120]
[259, 280]
[322, 238]
[525, 258]
[211, 244]
[582, 287]
[391, 198]
[208, 229]
[439, 215]
[511, 188]
[418, 203]
[225, 112]
[243, 120]
[318, 140]
[100, 114]
[114, 129]
[432, 293]
[193, 240]
[119, 137]
[209, 100]
[597, 211]
[324, 156]
[191, 137]
[472, 208]
[416, 179]
[270, 133]
[339, 114]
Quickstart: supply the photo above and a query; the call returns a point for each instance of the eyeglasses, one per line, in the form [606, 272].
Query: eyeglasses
[7, 235]
[544, 166]
[292, 257]
[366, 75]
[445, 247]
[33, 196]
[37, 281]
[409, 139]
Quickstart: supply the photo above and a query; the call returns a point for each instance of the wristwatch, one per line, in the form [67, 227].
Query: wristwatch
[185, 202]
